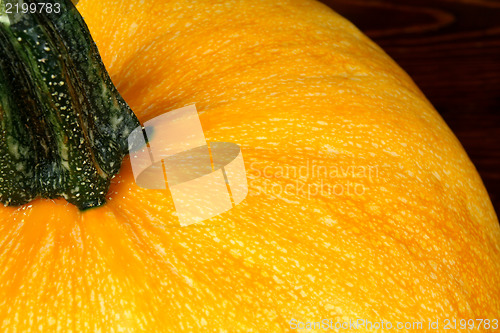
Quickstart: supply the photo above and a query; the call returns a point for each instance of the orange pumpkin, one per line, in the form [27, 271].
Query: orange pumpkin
[362, 204]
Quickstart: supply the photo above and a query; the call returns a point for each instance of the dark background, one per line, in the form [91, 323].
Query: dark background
[451, 49]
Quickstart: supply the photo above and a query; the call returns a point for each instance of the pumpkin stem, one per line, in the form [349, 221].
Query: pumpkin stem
[64, 124]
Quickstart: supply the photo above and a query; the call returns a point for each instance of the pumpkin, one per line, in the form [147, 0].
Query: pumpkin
[362, 203]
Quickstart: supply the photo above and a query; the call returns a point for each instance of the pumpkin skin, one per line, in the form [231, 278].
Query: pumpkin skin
[291, 82]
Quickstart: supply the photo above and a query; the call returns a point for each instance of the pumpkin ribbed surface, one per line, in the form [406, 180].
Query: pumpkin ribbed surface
[314, 105]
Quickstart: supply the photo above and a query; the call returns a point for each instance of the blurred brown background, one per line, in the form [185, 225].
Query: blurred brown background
[451, 49]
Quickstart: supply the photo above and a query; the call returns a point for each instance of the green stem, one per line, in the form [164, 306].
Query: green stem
[64, 124]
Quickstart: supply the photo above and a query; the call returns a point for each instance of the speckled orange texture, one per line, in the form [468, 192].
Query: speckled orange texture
[302, 91]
